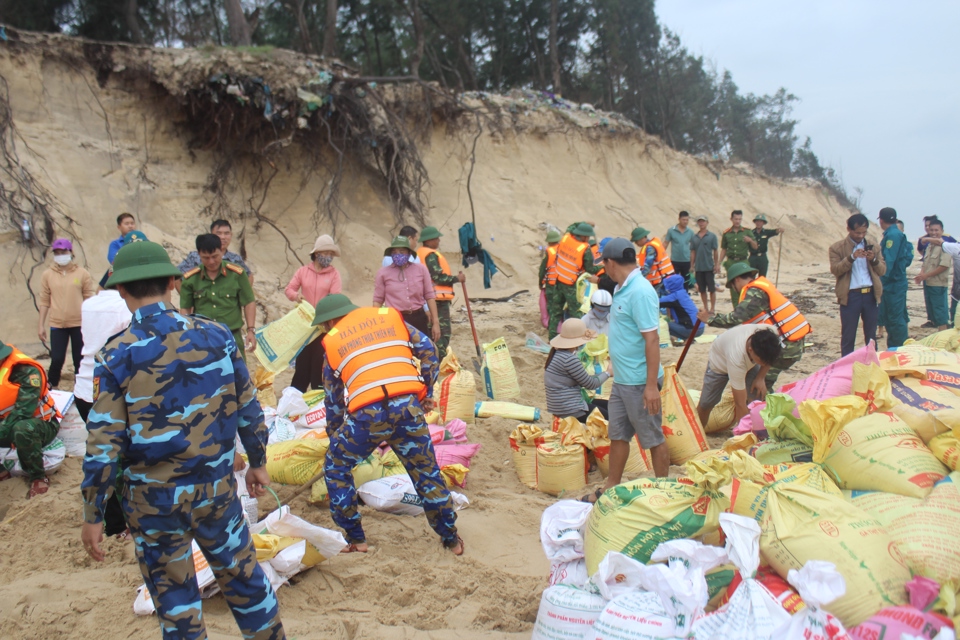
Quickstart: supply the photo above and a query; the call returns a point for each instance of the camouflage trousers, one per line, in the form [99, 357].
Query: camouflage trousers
[162, 536]
[398, 422]
[29, 437]
[443, 313]
[792, 352]
[560, 296]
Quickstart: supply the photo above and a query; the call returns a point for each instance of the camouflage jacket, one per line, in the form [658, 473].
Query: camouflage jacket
[436, 271]
[423, 350]
[755, 302]
[170, 396]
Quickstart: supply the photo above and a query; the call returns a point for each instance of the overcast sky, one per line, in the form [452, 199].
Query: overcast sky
[879, 82]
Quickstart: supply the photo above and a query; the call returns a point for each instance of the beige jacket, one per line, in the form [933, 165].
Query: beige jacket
[63, 290]
[841, 265]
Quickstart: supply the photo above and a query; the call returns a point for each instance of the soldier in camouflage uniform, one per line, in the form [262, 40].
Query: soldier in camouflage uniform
[28, 416]
[565, 293]
[548, 280]
[758, 256]
[171, 394]
[754, 303]
[378, 400]
[735, 245]
[443, 283]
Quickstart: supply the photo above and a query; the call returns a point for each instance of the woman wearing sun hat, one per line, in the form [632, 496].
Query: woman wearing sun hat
[63, 288]
[564, 375]
[311, 283]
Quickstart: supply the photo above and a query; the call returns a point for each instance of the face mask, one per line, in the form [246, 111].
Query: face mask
[601, 312]
[400, 259]
[63, 260]
[324, 261]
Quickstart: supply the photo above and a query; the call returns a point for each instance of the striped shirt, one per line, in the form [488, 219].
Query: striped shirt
[563, 379]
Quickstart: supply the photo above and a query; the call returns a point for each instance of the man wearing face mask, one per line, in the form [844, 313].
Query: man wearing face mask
[598, 318]
[63, 288]
[406, 286]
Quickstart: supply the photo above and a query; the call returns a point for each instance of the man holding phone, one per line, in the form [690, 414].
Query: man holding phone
[857, 266]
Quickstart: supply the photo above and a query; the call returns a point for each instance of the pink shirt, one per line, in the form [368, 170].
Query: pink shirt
[405, 289]
[313, 284]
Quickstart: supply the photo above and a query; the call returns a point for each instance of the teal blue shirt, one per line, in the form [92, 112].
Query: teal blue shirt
[679, 243]
[635, 310]
[897, 253]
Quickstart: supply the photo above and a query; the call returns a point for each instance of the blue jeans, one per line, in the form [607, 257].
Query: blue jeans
[677, 330]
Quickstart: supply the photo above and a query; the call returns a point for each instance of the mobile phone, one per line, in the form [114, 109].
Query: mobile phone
[869, 247]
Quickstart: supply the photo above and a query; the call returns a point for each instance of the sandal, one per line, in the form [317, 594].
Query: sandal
[591, 498]
[354, 547]
[38, 488]
[123, 536]
[459, 542]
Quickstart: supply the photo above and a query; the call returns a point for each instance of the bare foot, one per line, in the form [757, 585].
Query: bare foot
[457, 548]
[356, 547]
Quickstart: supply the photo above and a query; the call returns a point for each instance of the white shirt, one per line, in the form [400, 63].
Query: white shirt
[860, 272]
[728, 354]
[101, 317]
[953, 248]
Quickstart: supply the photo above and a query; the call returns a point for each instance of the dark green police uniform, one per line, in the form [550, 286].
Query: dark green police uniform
[758, 257]
[222, 299]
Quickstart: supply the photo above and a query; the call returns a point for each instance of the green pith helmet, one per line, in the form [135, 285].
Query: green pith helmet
[430, 233]
[639, 234]
[760, 217]
[135, 236]
[5, 350]
[553, 236]
[738, 269]
[141, 261]
[399, 242]
[335, 305]
[583, 229]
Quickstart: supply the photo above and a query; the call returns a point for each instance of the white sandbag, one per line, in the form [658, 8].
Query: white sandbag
[573, 572]
[819, 584]
[73, 430]
[281, 430]
[291, 404]
[53, 456]
[567, 612]
[281, 522]
[752, 613]
[397, 495]
[637, 615]
[618, 575]
[561, 530]
[206, 582]
[251, 507]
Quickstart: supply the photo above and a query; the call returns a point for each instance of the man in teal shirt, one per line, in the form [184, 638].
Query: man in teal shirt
[898, 254]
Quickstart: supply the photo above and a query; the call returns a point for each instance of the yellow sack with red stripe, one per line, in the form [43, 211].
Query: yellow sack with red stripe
[681, 424]
[638, 460]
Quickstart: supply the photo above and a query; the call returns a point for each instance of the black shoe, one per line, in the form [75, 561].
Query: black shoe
[928, 325]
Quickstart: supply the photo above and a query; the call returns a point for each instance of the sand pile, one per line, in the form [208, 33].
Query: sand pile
[107, 143]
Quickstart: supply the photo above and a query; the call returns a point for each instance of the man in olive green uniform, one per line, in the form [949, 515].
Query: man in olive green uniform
[28, 417]
[735, 245]
[754, 303]
[566, 294]
[220, 291]
[442, 278]
[758, 256]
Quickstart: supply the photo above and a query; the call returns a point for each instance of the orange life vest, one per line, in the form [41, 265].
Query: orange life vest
[662, 266]
[46, 410]
[783, 314]
[550, 275]
[369, 349]
[596, 258]
[570, 259]
[443, 291]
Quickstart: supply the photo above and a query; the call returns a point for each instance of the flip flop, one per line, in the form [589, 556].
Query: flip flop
[459, 541]
[38, 488]
[595, 495]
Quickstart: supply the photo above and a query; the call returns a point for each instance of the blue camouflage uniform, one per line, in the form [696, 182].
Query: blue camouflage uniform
[898, 254]
[400, 423]
[170, 396]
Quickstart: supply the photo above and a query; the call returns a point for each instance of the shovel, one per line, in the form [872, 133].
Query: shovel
[473, 328]
[686, 346]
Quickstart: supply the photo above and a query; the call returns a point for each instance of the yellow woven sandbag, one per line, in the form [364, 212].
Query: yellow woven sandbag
[681, 424]
[454, 475]
[802, 523]
[390, 466]
[722, 415]
[369, 469]
[635, 517]
[561, 468]
[596, 359]
[523, 444]
[930, 408]
[925, 530]
[499, 374]
[936, 365]
[457, 393]
[948, 340]
[599, 442]
[946, 447]
[508, 410]
[876, 452]
[772, 452]
[262, 379]
[296, 461]
[432, 417]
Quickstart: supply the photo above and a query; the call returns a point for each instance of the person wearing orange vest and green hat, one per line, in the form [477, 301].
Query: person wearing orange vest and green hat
[376, 393]
[443, 282]
[761, 303]
[28, 416]
[652, 257]
[548, 273]
[574, 258]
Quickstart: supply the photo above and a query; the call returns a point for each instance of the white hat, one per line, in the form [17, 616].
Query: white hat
[573, 333]
[601, 298]
[325, 243]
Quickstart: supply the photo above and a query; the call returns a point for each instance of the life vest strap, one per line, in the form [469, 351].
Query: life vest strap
[373, 347]
[383, 383]
[378, 363]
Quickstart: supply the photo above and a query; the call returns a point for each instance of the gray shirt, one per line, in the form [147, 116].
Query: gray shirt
[704, 247]
[563, 379]
[679, 243]
[192, 261]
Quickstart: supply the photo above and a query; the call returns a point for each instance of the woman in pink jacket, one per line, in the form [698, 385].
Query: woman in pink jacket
[311, 283]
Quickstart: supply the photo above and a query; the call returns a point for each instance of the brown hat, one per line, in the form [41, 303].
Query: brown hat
[325, 243]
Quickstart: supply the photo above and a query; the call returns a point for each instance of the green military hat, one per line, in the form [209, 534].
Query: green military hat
[553, 236]
[430, 233]
[140, 261]
[738, 269]
[582, 229]
[5, 350]
[593, 241]
[760, 217]
[335, 305]
[134, 236]
[399, 242]
[639, 234]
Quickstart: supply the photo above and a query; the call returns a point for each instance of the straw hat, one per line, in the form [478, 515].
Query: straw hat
[325, 243]
[573, 333]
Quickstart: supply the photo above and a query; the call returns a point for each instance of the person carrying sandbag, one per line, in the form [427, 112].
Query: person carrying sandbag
[375, 393]
[564, 375]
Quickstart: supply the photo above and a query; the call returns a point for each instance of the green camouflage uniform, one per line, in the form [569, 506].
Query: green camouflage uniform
[554, 304]
[755, 303]
[737, 250]
[758, 257]
[443, 306]
[20, 429]
[222, 299]
[566, 295]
